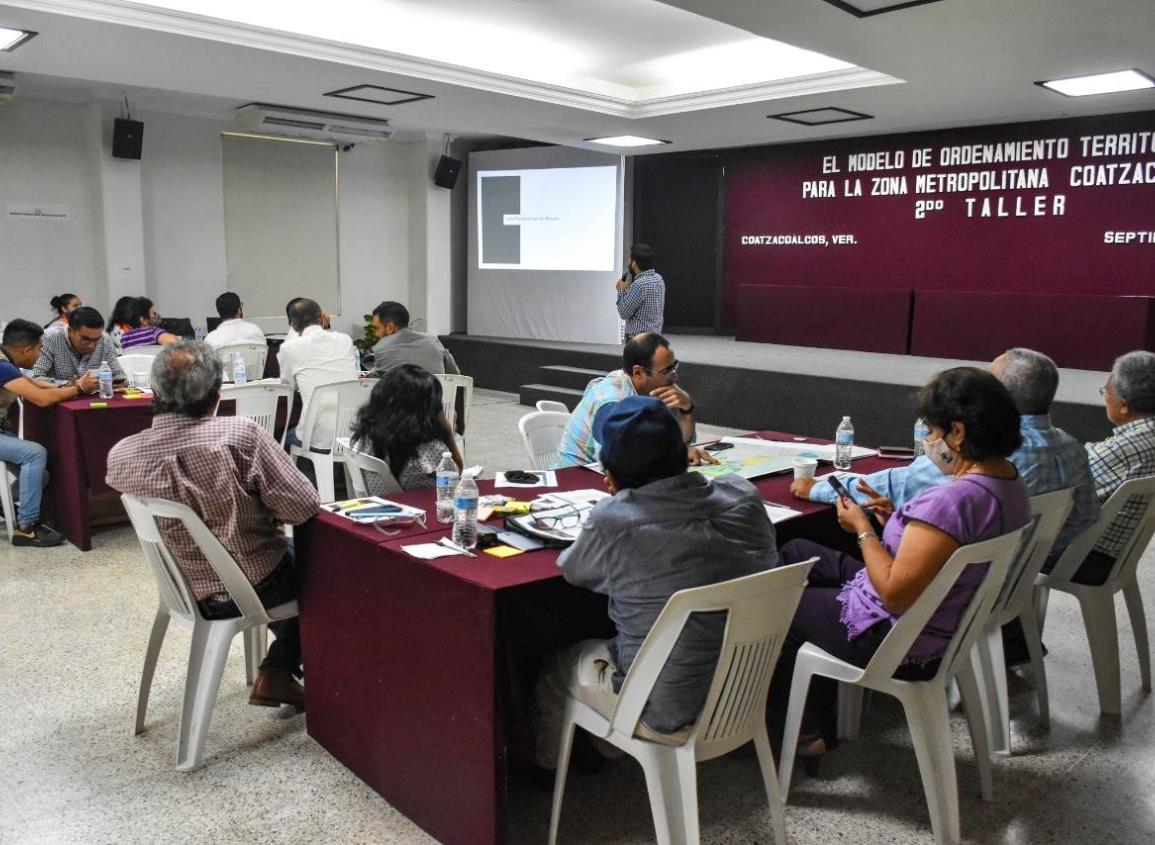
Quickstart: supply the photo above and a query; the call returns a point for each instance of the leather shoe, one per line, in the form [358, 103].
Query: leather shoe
[275, 687]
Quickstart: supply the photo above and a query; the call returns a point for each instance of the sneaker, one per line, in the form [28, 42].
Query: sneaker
[39, 535]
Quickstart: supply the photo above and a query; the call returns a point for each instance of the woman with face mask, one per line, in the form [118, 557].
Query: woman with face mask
[851, 604]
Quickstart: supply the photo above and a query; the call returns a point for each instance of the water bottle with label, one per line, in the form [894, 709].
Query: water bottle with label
[104, 378]
[921, 432]
[465, 513]
[199, 331]
[447, 476]
[360, 366]
[843, 444]
[240, 372]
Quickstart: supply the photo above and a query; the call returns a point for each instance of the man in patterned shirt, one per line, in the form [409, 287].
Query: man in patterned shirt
[240, 482]
[649, 368]
[83, 347]
[641, 302]
[1129, 396]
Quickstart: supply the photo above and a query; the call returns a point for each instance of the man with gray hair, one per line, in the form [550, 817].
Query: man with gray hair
[1129, 396]
[1049, 458]
[241, 484]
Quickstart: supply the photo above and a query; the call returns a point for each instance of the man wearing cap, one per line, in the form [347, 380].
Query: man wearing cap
[649, 368]
[663, 530]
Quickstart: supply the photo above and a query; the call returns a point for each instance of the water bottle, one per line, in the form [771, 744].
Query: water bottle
[104, 377]
[240, 373]
[843, 444]
[447, 476]
[199, 331]
[921, 432]
[360, 366]
[465, 513]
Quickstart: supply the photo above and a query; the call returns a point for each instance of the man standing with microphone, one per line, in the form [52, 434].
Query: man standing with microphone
[641, 301]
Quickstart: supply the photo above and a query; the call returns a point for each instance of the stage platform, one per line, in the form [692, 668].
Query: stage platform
[762, 385]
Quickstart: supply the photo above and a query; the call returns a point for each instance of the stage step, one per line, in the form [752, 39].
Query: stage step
[575, 378]
[531, 393]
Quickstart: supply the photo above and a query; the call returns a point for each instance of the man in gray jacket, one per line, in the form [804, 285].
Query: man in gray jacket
[399, 344]
[665, 529]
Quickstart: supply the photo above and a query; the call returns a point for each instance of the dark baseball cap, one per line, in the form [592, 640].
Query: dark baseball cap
[636, 433]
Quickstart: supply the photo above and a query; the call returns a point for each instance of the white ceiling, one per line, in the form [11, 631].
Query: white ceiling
[560, 71]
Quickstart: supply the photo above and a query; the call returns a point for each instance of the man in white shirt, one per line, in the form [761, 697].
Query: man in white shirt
[233, 327]
[315, 358]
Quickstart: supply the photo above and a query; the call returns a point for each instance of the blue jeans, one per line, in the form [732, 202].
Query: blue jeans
[31, 461]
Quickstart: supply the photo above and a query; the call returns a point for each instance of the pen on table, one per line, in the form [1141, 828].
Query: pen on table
[777, 505]
[449, 544]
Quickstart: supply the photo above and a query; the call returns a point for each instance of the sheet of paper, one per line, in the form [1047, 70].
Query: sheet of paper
[428, 551]
[777, 513]
[822, 451]
[545, 478]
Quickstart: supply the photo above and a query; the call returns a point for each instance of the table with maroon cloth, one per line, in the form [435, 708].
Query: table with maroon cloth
[78, 437]
[409, 662]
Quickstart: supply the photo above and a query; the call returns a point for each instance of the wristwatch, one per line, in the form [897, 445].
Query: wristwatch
[864, 535]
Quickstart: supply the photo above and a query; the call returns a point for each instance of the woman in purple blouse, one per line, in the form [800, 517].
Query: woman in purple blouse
[849, 604]
[141, 316]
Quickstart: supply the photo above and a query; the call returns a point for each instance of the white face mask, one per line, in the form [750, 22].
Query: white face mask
[940, 454]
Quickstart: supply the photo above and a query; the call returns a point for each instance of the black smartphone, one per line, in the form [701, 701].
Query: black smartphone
[841, 490]
[718, 447]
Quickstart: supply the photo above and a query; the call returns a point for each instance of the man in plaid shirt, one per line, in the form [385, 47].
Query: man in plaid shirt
[240, 482]
[1129, 452]
[641, 302]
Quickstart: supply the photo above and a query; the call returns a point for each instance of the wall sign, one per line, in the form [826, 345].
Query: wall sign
[36, 211]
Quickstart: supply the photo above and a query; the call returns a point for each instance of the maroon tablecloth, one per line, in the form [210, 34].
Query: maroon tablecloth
[78, 438]
[409, 662]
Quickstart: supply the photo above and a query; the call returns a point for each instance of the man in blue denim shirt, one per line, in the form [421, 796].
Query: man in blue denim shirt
[1049, 459]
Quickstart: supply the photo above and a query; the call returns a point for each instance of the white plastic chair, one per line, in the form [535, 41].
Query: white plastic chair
[8, 478]
[542, 432]
[138, 362]
[925, 702]
[1098, 602]
[259, 402]
[551, 405]
[369, 476]
[760, 608]
[211, 639]
[338, 403]
[253, 353]
[450, 385]
[1016, 601]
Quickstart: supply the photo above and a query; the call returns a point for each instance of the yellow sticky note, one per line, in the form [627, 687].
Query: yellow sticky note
[503, 551]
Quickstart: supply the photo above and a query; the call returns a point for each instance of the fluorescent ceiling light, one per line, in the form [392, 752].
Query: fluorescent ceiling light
[626, 141]
[1101, 83]
[10, 39]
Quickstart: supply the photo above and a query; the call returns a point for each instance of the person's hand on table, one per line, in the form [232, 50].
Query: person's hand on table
[851, 517]
[699, 456]
[801, 487]
[88, 383]
[882, 506]
[674, 397]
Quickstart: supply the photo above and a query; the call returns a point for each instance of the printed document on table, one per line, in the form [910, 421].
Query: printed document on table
[795, 449]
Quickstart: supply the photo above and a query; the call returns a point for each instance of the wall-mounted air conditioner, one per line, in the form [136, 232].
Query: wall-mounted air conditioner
[265, 119]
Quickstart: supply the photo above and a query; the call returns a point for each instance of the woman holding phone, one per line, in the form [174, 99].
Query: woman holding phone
[850, 604]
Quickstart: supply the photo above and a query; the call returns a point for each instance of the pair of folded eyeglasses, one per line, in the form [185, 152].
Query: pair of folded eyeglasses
[391, 524]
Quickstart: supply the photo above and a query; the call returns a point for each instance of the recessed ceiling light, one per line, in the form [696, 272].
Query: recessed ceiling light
[626, 141]
[378, 94]
[820, 117]
[1100, 83]
[10, 39]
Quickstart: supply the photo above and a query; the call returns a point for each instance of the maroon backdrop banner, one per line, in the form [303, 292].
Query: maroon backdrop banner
[1055, 207]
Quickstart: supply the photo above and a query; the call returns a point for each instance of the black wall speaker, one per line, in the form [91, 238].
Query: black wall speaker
[447, 172]
[127, 138]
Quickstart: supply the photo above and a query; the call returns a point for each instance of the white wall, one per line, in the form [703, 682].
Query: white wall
[395, 232]
[45, 160]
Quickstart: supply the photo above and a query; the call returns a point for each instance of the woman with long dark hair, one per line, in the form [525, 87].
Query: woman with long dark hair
[404, 425]
[142, 331]
[63, 304]
[118, 320]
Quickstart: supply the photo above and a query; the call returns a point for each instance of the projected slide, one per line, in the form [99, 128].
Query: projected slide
[551, 219]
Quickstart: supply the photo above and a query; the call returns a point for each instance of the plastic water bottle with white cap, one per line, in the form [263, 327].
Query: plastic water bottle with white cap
[104, 379]
[199, 332]
[447, 476]
[921, 432]
[465, 513]
[843, 444]
[240, 372]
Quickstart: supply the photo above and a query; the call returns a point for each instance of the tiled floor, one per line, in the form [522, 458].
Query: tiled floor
[73, 628]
